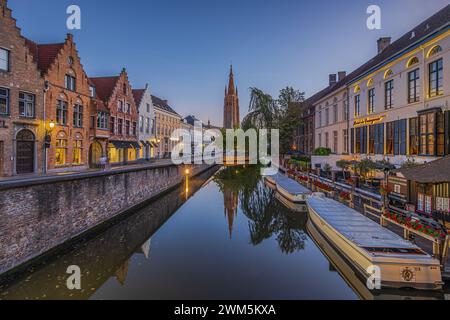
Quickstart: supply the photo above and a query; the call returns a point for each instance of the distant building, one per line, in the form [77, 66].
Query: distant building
[231, 117]
[143, 99]
[167, 121]
[303, 141]
[22, 126]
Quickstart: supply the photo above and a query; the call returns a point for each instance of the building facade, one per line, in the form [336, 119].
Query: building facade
[116, 93]
[22, 125]
[67, 104]
[231, 116]
[167, 120]
[146, 133]
[397, 104]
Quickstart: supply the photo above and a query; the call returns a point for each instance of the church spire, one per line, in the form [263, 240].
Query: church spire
[231, 86]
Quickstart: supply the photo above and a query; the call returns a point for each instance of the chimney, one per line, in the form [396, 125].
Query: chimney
[383, 43]
[341, 75]
[332, 79]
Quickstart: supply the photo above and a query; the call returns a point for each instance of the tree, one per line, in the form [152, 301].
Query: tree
[263, 110]
[289, 95]
[343, 165]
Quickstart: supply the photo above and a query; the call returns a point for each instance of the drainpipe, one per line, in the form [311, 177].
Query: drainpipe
[44, 161]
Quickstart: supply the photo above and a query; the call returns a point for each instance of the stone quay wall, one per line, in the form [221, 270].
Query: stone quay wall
[40, 214]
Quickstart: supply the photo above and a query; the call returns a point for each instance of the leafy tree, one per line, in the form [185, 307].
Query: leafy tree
[289, 95]
[343, 165]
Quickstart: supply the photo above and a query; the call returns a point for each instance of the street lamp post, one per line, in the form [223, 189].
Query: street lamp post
[47, 142]
[385, 191]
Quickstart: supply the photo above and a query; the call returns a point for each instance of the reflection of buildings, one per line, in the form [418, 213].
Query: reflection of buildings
[146, 248]
[230, 208]
[121, 273]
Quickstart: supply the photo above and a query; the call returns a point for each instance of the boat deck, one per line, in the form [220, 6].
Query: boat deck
[356, 227]
[291, 186]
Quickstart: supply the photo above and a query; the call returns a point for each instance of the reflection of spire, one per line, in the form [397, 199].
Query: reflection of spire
[121, 273]
[230, 208]
[146, 248]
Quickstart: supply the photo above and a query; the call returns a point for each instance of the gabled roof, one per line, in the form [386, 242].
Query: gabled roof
[138, 94]
[44, 54]
[162, 104]
[410, 40]
[104, 86]
[433, 172]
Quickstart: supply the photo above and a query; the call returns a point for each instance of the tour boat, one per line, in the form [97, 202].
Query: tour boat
[291, 189]
[354, 279]
[367, 245]
[298, 207]
[271, 180]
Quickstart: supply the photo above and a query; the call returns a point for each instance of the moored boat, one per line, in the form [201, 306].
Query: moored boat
[298, 207]
[367, 245]
[291, 189]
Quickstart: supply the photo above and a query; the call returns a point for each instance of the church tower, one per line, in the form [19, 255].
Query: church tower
[231, 118]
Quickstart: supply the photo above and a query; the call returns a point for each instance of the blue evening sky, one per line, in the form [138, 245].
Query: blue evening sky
[183, 48]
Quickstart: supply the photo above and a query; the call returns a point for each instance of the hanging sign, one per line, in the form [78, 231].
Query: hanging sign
[367, 121]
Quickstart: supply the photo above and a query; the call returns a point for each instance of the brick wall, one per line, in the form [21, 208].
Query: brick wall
[22, 76]
[44, 214]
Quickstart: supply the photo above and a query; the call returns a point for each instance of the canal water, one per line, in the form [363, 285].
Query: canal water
[221, 235]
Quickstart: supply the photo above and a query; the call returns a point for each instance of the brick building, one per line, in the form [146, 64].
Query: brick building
[67, 103]
[117, 96]
[22, 128]
[303, 141]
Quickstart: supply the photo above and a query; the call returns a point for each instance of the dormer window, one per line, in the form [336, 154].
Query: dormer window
[4, 60]
[92, 91]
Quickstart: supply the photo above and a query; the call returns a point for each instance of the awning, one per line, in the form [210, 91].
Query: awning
[134, 144]
[153, 144]
[145, 143]
[120, 144]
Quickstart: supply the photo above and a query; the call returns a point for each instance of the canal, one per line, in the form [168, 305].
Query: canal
[221, 235]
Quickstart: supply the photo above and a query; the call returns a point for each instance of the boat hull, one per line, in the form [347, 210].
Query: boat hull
[403, 273]
[296, 198]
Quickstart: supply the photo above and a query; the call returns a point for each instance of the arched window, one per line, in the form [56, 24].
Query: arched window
[413, 61]
[433, 51]
[77, 149]
[388, 74]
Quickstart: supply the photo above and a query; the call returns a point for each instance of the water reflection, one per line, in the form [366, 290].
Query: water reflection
[102, 257]
[267, 216]
[233, 239]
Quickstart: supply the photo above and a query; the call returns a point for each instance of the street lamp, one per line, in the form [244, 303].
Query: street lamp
[47, 142]
[386, 172]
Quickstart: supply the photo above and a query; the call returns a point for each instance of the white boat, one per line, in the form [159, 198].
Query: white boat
[291, 189]
[354, 279]
[366, 245]
[271, 180]
[298, 207]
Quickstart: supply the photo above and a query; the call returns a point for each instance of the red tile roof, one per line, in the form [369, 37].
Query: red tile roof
[104, 86]
[138, 94]
[44, 54]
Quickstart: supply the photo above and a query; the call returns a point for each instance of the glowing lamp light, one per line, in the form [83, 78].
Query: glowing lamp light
[52, 124]
[186, 171]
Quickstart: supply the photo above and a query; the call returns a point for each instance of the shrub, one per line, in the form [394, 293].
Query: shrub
[322, 152]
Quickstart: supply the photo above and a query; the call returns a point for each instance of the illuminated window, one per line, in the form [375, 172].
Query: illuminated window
[77, 151]
[61, 152]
